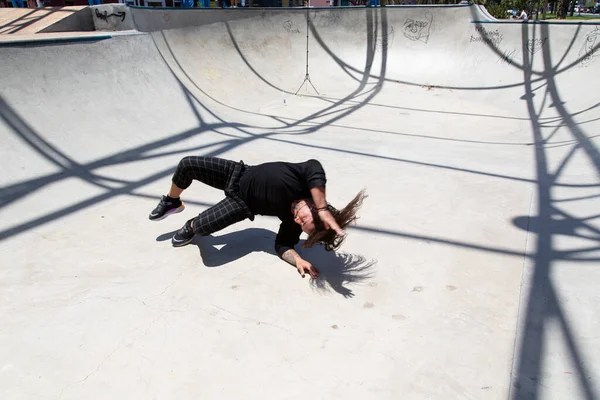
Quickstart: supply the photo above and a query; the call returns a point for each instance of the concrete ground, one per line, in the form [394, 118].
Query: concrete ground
[472, 273]
[27, 21]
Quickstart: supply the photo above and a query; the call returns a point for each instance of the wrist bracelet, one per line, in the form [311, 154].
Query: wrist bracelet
[323, 209]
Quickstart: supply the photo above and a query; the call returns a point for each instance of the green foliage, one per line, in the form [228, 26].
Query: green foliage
[518, 5]
[497, 11]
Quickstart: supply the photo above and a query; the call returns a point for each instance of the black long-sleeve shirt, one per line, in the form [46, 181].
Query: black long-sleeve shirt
[271, 188]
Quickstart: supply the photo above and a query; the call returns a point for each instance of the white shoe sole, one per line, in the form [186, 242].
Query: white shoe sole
[170, 212]
[175, 244]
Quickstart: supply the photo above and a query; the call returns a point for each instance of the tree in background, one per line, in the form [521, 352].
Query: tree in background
[572, 5]
[563, 8]
[498, 8]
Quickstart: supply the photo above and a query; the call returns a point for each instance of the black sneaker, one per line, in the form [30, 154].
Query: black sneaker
[166, 208]
[184, 235]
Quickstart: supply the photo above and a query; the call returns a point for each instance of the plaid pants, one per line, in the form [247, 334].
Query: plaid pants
[221, 174]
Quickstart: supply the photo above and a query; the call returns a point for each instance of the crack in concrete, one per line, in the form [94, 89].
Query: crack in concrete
[153, 308]
[246, 319]
[169, 285]
[90, 374]
[117, 347]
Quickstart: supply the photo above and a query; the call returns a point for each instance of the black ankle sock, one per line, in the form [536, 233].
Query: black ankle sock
[172, 199]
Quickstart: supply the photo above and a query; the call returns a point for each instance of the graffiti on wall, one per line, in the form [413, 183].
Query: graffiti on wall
[535, 45]
[589, 50]
[418, 29]
[385, 40]
[493, 37]
[105, 15]
[289, 26]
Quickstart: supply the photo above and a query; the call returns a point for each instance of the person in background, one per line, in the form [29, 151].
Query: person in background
[522, 15]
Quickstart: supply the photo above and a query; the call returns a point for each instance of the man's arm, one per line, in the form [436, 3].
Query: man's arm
[318, 196]
[316, 181]
[314, 174]
[303, 266]
[287, 237]
[291, 256]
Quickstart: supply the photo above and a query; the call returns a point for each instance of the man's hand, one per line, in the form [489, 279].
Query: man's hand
[304, 266]
[301, 265]
[318, 196]
[329, 222]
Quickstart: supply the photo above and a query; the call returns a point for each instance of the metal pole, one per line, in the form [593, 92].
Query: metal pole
[307, 76]
[307, 28]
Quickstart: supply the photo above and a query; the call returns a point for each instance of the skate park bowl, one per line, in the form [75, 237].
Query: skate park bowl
[472, 272]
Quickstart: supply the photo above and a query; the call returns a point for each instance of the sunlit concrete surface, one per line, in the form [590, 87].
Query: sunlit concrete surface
[472, 273]
[27, 21]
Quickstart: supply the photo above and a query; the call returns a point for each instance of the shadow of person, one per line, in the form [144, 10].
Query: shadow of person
[220, 250]
[338, 270]
[223, 249]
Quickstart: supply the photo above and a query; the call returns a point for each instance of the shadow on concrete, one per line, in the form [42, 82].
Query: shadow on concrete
[70, 168]
[373, 38]
[167, 53]
[441, 166]
[541, 306]
[32, 17]
[224, 249]
[337, 270]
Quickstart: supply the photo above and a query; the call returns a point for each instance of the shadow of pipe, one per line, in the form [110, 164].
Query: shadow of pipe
[172, 61]
[365, 74]
[541, 302]
[69, 168]
[25, 21]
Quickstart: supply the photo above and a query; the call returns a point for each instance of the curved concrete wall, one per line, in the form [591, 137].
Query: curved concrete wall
[447, 46]
[477, 141]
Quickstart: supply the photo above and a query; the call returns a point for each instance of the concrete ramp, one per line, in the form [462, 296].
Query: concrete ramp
[472, 273]
[24, 21]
